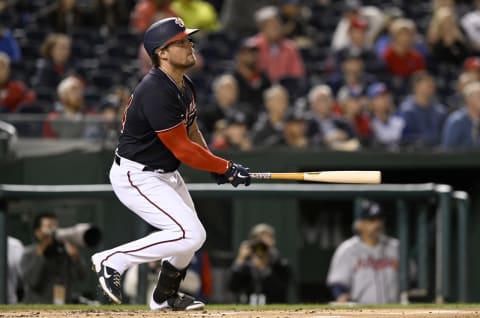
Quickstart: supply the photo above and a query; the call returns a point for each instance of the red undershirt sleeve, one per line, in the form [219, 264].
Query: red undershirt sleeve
[189, 152]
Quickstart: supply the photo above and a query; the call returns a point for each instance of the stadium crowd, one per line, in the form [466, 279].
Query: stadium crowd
[342, 75]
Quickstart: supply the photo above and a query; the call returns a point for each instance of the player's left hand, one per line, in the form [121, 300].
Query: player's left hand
[219, 178]
[238, 174]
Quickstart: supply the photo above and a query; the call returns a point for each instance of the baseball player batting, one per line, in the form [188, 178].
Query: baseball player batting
[159, 131]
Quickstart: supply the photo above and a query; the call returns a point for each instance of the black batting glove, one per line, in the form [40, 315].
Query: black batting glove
[219, 178]
[238, 174]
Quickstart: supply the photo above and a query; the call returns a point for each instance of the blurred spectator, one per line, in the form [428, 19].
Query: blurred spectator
[462, 127]
[65, 16]
[295, 130]
[364, 268]
[13, 94]
[197, 14]
[295, 16]
[437, 4]
[252, 82]
[55, 63]
[423, 114]
[9, 45]
[386, 126]
[351, 104]
[148, 11]
[357, 46]
[352, 75]
[232, 9]
[445, 38]
[401, 57]
[14, 278]
[471, 24]
[278, 57]
[259, 274]
[383, 38]
[268, 129]
[110, 15]
[325, 129]
[107, 124]
[231, 133]
[225, 104]
[50, 268]
[68, 119]
[472, 65]
[456, 100]
[352, 10]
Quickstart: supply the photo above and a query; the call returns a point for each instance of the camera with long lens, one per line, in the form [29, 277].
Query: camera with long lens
[258, 247]
[81, 235]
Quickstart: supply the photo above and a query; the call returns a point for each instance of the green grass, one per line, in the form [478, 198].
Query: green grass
[239, 307]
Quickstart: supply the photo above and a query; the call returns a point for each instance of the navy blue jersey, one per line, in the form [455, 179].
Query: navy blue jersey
[157, 104]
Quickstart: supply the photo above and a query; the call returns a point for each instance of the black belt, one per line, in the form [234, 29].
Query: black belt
[146, 168]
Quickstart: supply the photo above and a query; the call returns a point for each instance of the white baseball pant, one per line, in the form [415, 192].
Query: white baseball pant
[162, 200]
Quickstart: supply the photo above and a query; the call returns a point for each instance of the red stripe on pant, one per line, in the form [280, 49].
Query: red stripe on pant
[161, 210]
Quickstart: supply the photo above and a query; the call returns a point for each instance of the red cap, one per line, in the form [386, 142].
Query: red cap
[472, 64]
[358, 23]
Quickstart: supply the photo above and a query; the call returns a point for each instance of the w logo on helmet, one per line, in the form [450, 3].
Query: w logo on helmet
[179, 22]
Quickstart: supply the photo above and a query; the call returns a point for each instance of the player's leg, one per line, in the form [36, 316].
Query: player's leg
[181, 189]
[153, 197]
[171, 276]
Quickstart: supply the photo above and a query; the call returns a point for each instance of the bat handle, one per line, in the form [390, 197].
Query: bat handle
[260, 175]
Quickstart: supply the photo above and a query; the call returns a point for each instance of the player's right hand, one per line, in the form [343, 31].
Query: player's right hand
[238, 174]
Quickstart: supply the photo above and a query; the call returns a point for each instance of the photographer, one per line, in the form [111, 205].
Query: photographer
[259, 274]
[50, 267]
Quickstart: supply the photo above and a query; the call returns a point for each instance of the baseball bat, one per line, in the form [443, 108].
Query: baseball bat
[372, 177]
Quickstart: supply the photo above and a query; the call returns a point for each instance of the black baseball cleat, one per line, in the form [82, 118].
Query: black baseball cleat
[109, 281]
[178, 302]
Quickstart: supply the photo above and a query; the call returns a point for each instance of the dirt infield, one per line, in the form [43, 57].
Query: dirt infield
[288, 313]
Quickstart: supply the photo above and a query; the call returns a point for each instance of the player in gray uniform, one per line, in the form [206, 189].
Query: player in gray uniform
[364, 268]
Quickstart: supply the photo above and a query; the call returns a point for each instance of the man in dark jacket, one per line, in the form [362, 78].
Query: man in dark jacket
[259, 274]
[50, 267]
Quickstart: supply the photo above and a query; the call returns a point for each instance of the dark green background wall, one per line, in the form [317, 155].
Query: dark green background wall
[226, 229]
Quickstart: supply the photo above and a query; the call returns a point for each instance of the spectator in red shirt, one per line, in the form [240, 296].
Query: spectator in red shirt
[278, 57]
[401, 57]
[352, 107]
[13, 94]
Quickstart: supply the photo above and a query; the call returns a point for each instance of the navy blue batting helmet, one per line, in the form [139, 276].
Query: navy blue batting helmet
[163, 32]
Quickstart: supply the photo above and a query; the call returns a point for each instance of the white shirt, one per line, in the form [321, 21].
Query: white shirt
[14, 254]
[389, 132]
